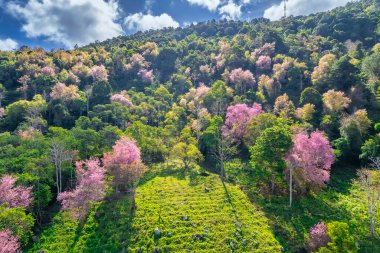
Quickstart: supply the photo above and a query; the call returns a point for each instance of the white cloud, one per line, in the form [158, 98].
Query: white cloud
[211, 5]
[141, 22]
[230, 10]
[8, 44]
[302, 7]
[68, 22]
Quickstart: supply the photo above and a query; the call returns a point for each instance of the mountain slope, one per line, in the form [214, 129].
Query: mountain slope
[175, 213]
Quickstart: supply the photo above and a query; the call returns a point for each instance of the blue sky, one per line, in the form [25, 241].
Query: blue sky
[64, 23]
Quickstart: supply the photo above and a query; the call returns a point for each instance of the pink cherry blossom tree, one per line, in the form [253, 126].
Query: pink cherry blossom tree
[146, 75]
[136, 63]
[267, 49]
[318, 237]
[65, 93]
[47, 71]
[310, 161]
[121, 98]
[8, 242]
[238, 119]
[242, 80]
[99, 73]
[264, 63]
[90, 188]
[14, 196]
[124, 162]
[2, 112]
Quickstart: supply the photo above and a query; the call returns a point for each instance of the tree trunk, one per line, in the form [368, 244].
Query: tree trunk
[290, 187]
[273, 182]
[222, 174]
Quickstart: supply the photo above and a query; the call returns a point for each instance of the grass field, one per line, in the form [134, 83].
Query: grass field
[193, 213]
[342, 200]
[198, 214]
[188, 212]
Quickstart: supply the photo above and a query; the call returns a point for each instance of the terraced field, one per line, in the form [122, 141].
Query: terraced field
[197, 215]
[175, 213]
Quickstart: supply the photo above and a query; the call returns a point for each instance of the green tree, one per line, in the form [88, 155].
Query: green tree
[341, 239]
[217, 99]
[269, 150]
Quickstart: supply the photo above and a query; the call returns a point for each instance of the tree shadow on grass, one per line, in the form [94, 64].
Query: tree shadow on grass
[107, 228]
[177, 172]
[290, 226]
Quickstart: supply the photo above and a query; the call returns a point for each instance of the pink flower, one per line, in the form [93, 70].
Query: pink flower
[238, 119]
[14, 196]
[311, 157]
[99, 73]
[8, 242]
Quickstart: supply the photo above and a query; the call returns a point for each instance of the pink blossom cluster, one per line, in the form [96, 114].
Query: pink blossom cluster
[264, 63]
[8, 242]
[72, 78]
[124, 152]
[47, 71]
[146, 75]
[206, 70]
[122, 99]
[311, 157]
[124, 162]
[318, 237]
[90, 188]
[137, 61]
[14, 196]
[267, 49]
[2, 112]
[99, 73]
[239, 76]
[64, 93]
[238, 119]
[201, 91]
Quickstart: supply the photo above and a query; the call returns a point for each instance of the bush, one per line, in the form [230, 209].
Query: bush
[341, 239]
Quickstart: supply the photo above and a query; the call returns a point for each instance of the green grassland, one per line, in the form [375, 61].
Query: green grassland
[178, 211]
[200, 215]
[342, 200]
[193, 214]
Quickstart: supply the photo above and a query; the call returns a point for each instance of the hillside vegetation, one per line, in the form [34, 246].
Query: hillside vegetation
[123, 145]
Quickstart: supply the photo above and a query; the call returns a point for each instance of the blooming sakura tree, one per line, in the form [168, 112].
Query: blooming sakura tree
[14, 196]
[2, 112]
[124, 162]
[266, 50]
[90, 188]
[136, 62]
[264, 63]
[283, 106]
[242, 79]
[318, 237]
[8, 242]
[121, 98]
[24, 81]
[194, 98]
[146, 75]
[47, 71]
[238, 119]
[99, 73]
[65, 93]
[310, 161]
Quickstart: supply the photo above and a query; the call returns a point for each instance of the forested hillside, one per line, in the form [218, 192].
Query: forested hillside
[229, 136]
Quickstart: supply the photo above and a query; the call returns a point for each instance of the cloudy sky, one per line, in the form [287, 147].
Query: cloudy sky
[64, 23]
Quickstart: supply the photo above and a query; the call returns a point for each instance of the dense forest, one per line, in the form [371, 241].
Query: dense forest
[222, 136]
